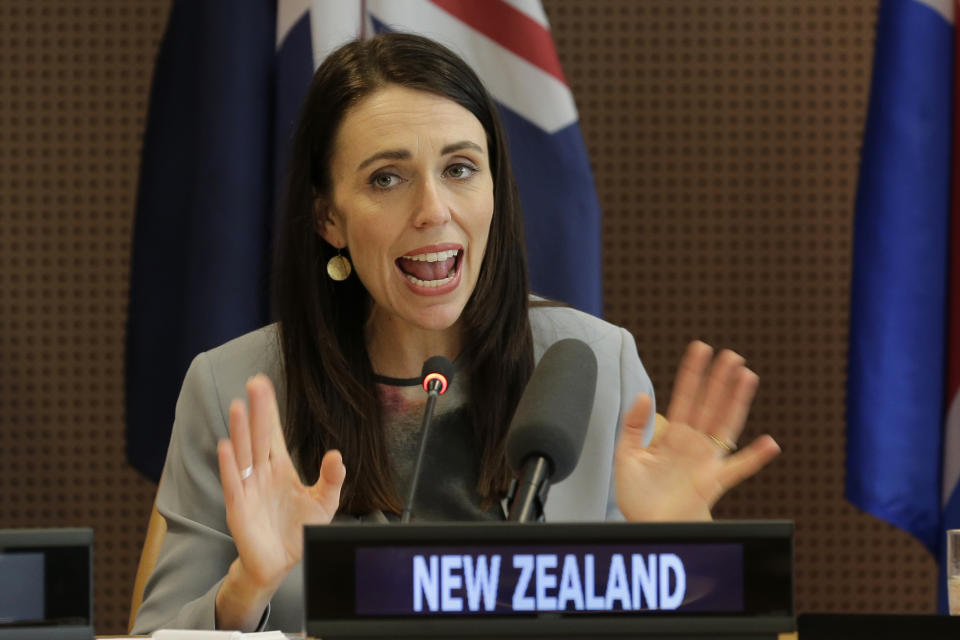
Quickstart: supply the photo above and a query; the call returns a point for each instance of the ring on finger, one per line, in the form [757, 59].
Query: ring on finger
[727, 445]
[246, 472]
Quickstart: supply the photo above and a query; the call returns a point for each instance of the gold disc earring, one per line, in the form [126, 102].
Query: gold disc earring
[338, 267]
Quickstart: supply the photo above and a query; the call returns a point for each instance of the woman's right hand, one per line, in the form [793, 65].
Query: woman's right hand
[266, 511]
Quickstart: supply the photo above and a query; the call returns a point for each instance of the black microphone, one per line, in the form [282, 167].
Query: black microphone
[548, 429]
[437, 373]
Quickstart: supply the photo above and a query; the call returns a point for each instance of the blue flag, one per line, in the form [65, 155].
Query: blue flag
[222, 106]
[899, 447]
[228, 84]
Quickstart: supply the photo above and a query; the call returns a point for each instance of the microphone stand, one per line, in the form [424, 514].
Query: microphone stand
[528, 492]
[433, 391]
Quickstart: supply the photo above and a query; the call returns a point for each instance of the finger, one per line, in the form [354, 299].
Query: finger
[748, 461]
[686, 386]
[240, 434]
[332, 470]
[634, 423]
[260, 392]
[326, 490]
[717, 389]
[278, 443]
[730, 423]
[229, 474]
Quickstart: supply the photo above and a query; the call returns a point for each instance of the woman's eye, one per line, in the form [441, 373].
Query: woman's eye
[461, 171]
[384, 180]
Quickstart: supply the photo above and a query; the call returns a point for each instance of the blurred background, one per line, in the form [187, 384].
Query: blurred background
[724, 137]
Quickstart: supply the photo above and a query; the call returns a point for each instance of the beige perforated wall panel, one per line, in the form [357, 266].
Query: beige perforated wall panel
[724, 136]
[74, 80]
[725, 140]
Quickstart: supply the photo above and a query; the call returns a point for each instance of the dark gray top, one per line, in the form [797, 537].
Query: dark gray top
[451, 462]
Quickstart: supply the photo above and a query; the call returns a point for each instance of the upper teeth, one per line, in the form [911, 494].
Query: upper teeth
[433, 257]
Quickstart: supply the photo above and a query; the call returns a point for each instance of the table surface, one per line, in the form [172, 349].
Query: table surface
[783, 636]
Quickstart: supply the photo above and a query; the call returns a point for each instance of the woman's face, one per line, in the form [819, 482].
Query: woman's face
[412, 200]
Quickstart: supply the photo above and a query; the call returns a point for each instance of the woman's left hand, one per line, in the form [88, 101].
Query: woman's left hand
[683, 473]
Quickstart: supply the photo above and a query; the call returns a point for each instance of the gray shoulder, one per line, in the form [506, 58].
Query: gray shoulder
[234, 362]
[550, 324]
[251, 349]
[587, 494]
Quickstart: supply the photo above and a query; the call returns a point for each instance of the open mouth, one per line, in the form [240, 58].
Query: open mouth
[431, 270]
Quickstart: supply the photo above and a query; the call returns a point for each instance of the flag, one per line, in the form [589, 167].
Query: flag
[228, 82]
[903, 412]
[222, 106]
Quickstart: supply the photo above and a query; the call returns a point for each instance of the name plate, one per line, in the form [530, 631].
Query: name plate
[549, 579]
[46, 584]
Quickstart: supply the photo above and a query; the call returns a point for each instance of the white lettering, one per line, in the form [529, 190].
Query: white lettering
[524, 562]
[450, 581]
[481, 582]
[617, 587]
[645, 579]
[570, 588]
[546, 581]
[425, 583]
[593, 601]
[670, 562]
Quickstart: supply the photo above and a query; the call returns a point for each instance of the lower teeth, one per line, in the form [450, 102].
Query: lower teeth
[428, 283]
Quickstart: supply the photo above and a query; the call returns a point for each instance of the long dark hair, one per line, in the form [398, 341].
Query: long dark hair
[331, 399]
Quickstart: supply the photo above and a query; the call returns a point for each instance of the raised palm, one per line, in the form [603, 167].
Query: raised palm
[684, 471]
[267, 509]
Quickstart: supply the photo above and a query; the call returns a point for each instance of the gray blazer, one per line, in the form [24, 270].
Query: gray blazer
[198, 549]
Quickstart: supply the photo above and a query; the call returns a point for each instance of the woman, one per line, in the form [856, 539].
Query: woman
[402, 240]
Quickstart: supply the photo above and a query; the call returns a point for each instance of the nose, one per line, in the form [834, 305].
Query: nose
[431, 207]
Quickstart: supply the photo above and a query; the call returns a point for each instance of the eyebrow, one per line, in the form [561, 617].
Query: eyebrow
[403, 154]
[393, 154]
[463, 144]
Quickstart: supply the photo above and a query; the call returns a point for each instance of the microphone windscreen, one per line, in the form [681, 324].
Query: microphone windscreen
[437, 365]
[553, 414]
